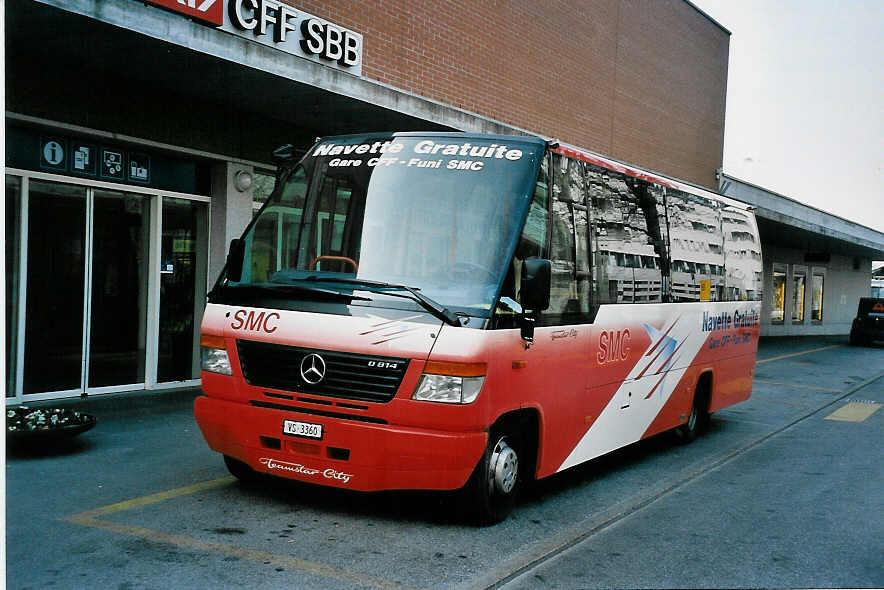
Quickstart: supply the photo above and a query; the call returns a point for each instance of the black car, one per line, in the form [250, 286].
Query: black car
[868, 325]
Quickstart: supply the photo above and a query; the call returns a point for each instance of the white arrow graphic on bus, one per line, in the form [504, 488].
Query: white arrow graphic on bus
[668, 347]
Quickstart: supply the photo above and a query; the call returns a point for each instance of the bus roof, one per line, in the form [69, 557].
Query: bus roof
[636, 172]
[451, 134]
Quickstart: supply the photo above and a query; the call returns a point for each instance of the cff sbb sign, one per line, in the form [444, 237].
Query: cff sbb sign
[278, 25]
[272, 21]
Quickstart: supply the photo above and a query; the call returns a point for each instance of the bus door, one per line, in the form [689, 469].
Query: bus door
[555, 379]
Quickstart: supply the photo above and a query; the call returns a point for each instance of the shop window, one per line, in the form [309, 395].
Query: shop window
[816, 306]
[799, 276]
[778, 295]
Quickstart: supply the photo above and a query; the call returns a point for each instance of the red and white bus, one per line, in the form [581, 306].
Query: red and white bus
[447, 310]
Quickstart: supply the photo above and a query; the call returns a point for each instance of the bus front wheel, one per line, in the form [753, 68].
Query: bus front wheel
[492, 488]
[240, 470]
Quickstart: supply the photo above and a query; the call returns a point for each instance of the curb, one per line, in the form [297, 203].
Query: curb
[111, 405]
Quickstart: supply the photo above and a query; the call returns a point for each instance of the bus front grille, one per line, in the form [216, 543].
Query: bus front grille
[321, 372]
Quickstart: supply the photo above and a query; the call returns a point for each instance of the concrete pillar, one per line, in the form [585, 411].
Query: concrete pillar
[231, 212]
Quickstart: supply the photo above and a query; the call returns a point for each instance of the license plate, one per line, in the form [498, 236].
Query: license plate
[305, 429]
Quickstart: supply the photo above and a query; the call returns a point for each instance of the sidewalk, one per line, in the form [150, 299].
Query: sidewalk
[117, 405]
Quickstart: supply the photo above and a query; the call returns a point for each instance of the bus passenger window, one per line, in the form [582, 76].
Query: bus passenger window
[566, 304]
[265, 252]
[695, 247]
[742, 257]
[532, 244]
[629, 239]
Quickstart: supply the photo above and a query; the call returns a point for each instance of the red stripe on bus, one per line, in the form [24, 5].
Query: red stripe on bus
[610, 165]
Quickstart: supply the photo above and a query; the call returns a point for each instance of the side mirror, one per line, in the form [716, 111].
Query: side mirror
[535, 287]
[534, 292]
[284, 153]
[235, 258]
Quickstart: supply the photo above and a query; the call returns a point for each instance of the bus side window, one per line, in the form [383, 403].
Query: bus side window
[741, 273]
[532, 244]
[569, 304]
[629, 237]
[695, 247]
[266, 254]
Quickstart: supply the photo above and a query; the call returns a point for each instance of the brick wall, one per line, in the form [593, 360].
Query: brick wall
[639, 80]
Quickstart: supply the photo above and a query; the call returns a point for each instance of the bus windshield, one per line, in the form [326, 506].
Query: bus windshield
[437, 213]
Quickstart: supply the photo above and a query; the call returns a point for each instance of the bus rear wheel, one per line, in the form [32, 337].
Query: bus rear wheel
[697, 419]
[492, 488]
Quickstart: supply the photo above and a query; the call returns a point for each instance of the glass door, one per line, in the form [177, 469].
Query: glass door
[13, 277]
[105, 288]
[119, 292]
[56, 279]
[86, 294]
[185, 232]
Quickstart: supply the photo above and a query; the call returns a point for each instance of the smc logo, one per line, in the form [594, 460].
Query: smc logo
[255, 321]
[613, 346]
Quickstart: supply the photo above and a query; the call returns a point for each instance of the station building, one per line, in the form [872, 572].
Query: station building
[139, 139]
[816, 265]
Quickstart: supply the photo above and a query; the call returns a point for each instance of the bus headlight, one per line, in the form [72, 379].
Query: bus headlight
[213, 355]
[450, 383]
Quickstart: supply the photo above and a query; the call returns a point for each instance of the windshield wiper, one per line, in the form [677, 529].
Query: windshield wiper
[287, 289]
[434, 307]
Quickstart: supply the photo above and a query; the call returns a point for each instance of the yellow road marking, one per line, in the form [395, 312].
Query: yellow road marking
[854, 412]
[798, 386]
[90, 519]
[158, 497]
[785, 356]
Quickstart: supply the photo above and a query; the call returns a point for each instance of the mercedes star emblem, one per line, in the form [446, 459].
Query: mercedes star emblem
[312, 368]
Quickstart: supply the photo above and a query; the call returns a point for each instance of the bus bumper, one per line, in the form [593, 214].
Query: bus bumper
[351, 455]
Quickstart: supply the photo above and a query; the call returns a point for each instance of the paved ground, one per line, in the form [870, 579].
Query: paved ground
[774, 495]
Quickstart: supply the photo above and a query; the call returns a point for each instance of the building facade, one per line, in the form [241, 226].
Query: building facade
[816, 266]
[139, 138]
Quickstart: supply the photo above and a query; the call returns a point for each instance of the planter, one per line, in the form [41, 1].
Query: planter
[43, 424]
